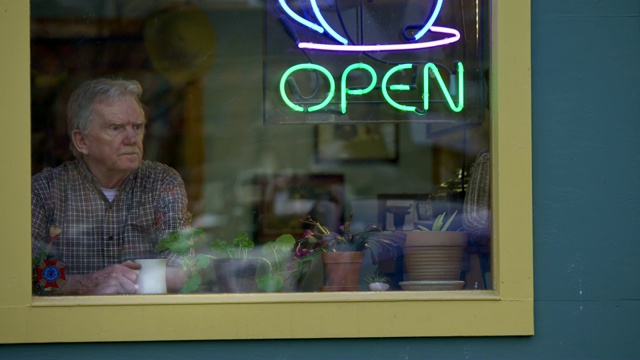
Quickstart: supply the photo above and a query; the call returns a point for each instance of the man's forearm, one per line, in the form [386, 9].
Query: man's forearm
[112, 281]
[76, 285]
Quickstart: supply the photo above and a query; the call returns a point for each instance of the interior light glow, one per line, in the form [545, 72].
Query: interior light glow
[430, 22]
[396, 87]
[291, 70]
[430, 67]
[299, 18]
[343, 87]
[455, 36]
[325, 25]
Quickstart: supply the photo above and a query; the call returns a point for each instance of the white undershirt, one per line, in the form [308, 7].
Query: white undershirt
[110, 193]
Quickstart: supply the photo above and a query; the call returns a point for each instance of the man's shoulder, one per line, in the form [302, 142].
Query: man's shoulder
[158, 170]
[54, 179]
[61, 171]
[150, 166]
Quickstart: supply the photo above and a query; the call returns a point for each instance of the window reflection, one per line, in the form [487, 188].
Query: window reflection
[206, 96]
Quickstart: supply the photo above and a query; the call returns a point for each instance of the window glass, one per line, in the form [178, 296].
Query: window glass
[301, 130]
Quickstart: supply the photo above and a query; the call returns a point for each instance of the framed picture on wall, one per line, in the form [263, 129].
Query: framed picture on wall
[404, 212]
[356, 142]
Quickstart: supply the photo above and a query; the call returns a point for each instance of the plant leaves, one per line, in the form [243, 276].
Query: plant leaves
[446, 226]
[220, 247]
[271, 282]
[181, 241]
[243, 242]
[192, 284]
[179, 246]
[284, 242]
[202, 261]
[437, 224]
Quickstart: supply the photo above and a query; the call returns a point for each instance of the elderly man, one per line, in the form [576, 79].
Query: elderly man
[108, 207]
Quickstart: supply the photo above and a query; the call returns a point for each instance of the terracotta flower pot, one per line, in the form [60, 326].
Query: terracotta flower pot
[435, 255]
[342, 270]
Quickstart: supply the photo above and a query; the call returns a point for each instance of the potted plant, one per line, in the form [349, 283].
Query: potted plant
[234, 265]
[434, 254]
[377, 282]
[305, 252]
[343, 252]
[188, 243]
[278, 255]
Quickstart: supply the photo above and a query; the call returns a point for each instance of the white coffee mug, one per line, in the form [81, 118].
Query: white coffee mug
[152, 276]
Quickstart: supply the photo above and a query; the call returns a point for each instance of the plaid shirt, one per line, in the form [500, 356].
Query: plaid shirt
[97, 233]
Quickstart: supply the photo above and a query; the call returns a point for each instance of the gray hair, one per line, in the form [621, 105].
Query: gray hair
[80, 110]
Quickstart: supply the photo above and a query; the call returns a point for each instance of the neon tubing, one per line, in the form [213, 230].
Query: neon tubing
[430, 22]
[432, 67]
[291, 70]
[299, 18]
[388, 47]
[325, 25]
[396, 87]
[343, 87]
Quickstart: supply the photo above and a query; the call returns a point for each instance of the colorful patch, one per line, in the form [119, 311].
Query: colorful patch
[51, 274]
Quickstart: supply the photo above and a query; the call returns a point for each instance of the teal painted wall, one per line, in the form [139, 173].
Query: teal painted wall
[586, 169]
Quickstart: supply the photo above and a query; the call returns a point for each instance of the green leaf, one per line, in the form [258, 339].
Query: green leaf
[271, 282]
[220, 247]
[284, 242]
[192, 284]
[202, 261]
[179, 246]
[446, 226]
[243, 242]
[437, 224]
[181, 241]
[197, 233]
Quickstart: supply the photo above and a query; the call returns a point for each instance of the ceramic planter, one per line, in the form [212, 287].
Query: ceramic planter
[378, 286]
[435, 255]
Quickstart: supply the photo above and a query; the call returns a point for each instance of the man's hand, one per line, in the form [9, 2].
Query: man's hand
[114, 279]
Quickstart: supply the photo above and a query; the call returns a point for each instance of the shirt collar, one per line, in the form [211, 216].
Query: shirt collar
[88, 175]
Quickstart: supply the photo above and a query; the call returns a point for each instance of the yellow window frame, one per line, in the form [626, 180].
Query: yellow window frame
[506, 310]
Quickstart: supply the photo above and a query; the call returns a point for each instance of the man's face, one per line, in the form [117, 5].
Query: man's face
[114, 140]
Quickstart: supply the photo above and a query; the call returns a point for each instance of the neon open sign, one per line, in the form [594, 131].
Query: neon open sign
[386, 87]
[335, 60]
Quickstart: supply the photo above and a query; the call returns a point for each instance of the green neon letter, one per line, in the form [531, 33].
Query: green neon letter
[432, 67]
[291, 70]
[396, 87]
[343, 87]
